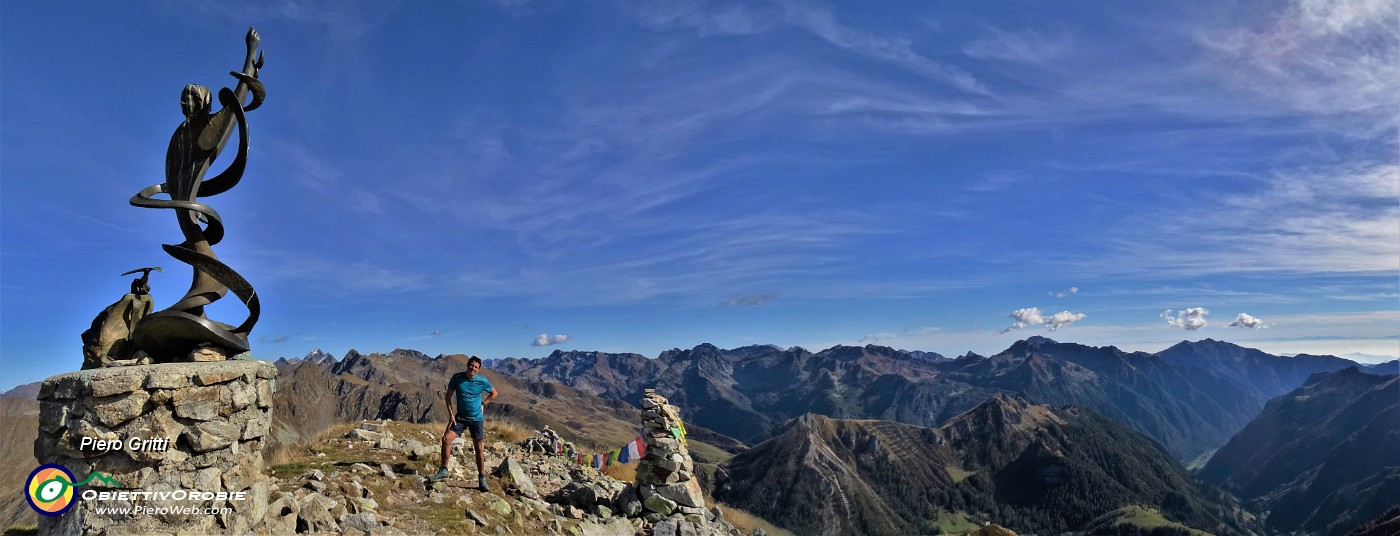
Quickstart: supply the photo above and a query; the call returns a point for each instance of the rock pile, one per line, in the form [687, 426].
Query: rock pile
[375, 483]
[666, 475]
[605, 506]
[547, 441]
[317, 502]
[378, 435]
[178, 440]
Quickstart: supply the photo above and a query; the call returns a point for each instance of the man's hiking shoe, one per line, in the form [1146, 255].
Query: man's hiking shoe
[440, 475]
[482, 480]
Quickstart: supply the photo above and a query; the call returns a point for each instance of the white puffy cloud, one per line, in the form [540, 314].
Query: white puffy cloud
[1031, 316]
[1061, 319]
[1246, 321]
[544, 339]
[1066, 293]
[1191, 319]
[1024, 317]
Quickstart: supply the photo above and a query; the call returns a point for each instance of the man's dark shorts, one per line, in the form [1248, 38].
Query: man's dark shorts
[478, 428]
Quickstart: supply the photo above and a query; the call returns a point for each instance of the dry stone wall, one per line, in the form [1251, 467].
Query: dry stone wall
[180, 441]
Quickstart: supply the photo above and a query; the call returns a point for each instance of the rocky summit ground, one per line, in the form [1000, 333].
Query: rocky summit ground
[371, 478]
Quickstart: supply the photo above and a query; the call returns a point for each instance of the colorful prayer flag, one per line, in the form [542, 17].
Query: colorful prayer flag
[641, 448]
[624, 457]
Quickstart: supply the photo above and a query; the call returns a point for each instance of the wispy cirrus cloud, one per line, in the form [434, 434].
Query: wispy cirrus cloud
[329, 277]
[1032, 47]
[1327, 219]
[1329, 57]
[347, 23]
[751, 300]
[734, 19]
[746, 18]
[907, 335]
[332, 182]
[895, 50]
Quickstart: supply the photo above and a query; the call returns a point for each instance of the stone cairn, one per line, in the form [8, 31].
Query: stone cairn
[545, 441]
[181, 441]
[666, 475]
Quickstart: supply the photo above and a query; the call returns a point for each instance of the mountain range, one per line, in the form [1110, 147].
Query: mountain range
[1321, 459]
[1027, 466]
[1043, 437]
[406, 385]
[1191, 398]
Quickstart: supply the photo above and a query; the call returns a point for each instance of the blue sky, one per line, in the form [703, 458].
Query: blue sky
[509, 178]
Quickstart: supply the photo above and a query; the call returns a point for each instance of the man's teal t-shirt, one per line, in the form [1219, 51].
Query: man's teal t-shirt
[469, 394]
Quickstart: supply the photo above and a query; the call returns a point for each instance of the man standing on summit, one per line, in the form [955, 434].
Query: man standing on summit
[464, 411]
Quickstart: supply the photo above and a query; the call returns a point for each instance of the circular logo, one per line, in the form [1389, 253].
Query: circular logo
[50, 489]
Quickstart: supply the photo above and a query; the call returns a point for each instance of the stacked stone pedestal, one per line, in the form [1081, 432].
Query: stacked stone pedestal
[666, 475]
[210, 419]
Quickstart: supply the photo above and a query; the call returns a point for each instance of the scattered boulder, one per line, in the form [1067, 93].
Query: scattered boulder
[281, 517]
[613, 527]
[513, 478]
[362, 434]
[476, 518]
[540, 492]
[365, 521]
[314, 516]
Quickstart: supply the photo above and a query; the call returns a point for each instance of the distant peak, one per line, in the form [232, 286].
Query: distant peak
[1037, 339]
[1001, 411]
[1340, 376]
[1007, 400]
[405, 353]
[842, 352]
[318, 357]
[812, 423]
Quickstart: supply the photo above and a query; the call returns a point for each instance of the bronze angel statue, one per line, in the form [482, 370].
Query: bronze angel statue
[174, 332]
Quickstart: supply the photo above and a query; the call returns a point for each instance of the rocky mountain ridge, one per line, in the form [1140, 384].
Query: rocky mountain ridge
[409, 386]
[1028, 467]
[1320, 459]
[1190, 400]
[370, 477]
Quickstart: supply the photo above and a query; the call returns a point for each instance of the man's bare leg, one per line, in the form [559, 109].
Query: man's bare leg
[447, 438]
[480, 463]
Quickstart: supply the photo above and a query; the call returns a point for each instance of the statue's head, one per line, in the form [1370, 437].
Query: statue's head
[194, 100]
